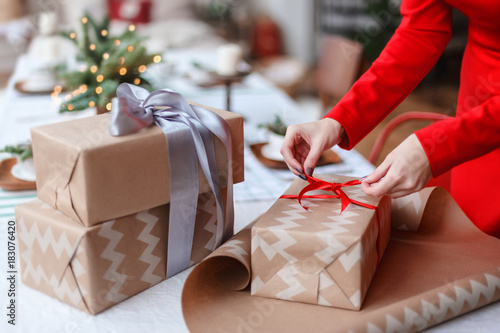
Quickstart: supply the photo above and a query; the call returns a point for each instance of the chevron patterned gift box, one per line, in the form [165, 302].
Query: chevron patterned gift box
[319, 256]
[93, 268]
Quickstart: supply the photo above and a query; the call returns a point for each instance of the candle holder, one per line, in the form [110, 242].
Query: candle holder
[228, 80]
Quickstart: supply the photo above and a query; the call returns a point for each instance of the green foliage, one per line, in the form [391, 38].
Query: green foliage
[108, 62]
[24, 150]
[277, 126]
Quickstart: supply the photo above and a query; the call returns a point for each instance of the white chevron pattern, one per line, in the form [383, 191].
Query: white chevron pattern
[436, 311]
[285, 240]
[211, 225]
[61, 289]
[147, 256]
[28, 237]
[349, 260]
[117, 279]
[414, 198]
[294, 286]
[235, 249]
[334, 246]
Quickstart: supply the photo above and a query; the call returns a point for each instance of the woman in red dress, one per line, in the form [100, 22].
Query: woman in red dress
[468, 144]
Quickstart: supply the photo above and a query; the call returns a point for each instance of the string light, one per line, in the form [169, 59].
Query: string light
[83, 88]
[91, 104]
[83, 68]
[85, 20]
[122, 60]
[92, 47]
[157, 58]
[99, 78]
[104, 32]
[130, 48]
[117, 42]
[93, 68]
[54, 95]
[142, 68]
[70, 107]
[98, 90]
[76, 92]
[123, 71]
[105, 56]
[137, 81]
[108, 106]
[72, 35]
[67, 98]
[131, 27]
[57, 89]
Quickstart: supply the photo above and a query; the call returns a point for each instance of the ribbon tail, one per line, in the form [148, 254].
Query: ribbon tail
[184, 200]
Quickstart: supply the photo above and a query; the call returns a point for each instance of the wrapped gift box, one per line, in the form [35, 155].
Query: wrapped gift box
[319, 256]
[92, 176]
[93, 268]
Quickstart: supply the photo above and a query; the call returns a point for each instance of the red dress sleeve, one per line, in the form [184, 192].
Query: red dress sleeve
[415, 47]
[470, 135]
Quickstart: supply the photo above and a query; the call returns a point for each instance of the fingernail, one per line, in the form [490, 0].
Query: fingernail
[298, 170]
[309, 171]
[302, 177]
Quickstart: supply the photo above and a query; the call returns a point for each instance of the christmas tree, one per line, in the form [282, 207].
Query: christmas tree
[106, 63]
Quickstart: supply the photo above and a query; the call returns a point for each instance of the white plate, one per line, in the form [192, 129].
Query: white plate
[18, 172]
[271, 152]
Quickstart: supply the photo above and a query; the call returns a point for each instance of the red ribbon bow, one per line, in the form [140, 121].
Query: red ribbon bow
[336, 188]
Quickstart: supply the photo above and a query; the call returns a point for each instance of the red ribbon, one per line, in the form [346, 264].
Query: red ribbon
[336, 188]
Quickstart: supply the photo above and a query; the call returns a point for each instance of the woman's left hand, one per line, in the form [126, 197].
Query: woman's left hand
[405, 170]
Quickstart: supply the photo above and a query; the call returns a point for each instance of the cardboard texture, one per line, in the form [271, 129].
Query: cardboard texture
[445, 268]
[93, 268]
[319, 256]
[92, 176]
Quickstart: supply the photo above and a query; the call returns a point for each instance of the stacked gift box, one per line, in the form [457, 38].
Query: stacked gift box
[99, 231]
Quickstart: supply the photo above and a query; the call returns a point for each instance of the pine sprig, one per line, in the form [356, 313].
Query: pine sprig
[24, 150]
[108, 62]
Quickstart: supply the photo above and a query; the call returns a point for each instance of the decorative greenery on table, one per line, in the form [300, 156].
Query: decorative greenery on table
[108, 61]
[277, 126]
[24, 150]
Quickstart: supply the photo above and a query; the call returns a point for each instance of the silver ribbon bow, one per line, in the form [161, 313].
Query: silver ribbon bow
[189, 132]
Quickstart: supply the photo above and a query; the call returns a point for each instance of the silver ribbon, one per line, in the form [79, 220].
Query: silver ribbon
[189, 132]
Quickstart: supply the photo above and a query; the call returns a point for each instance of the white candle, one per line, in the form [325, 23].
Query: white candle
[228, 58]
[47, 23]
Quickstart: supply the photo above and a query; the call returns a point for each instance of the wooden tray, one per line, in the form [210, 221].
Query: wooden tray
[19, 86]
[10, 183]
[328, 157]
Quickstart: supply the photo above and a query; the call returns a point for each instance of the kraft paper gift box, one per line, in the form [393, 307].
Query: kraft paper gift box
[93, 268]
[92, 176]
[320, 256]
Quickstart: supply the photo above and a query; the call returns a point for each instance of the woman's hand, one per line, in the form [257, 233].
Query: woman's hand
[405, 170]
[304, 143]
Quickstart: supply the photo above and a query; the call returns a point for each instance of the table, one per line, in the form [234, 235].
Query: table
[158, 309]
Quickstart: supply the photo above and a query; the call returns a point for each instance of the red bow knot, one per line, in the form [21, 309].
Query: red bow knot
[336, 188]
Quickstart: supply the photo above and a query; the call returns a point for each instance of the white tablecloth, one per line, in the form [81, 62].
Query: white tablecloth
[158, 309]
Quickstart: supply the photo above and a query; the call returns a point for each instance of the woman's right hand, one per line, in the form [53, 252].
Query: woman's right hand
[304, 143]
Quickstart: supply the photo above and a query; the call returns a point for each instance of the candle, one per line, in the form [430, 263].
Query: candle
[228, 58]
[47, 23]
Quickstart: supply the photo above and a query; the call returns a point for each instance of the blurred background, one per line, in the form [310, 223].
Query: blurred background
[312, 50]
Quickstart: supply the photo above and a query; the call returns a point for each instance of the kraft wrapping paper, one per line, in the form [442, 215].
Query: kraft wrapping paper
[437, 266]
[92, 176]
[320, 256]
[93, 268]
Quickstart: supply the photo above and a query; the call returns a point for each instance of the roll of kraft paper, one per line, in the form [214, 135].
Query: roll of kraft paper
[434, 269]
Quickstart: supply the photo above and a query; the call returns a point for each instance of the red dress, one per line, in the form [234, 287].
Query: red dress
[468, 143]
